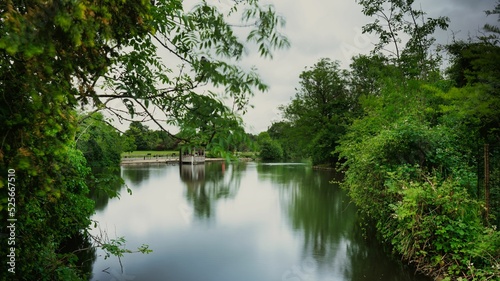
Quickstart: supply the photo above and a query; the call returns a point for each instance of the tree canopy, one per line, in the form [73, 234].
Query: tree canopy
[319, 112]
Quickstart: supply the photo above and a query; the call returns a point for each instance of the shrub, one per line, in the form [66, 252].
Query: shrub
[271, 150]
[437, 226]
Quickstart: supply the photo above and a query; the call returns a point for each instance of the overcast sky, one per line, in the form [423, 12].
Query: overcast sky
[332, 29]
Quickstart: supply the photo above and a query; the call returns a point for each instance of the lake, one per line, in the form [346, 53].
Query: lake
[239, 222]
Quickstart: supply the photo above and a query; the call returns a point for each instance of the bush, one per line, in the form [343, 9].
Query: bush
[437, 226]
[271, 150]
[414, 182]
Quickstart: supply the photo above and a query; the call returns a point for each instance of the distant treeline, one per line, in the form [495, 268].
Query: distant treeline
[141, 137]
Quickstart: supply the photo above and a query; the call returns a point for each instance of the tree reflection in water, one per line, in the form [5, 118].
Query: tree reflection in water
[207, 183]
[321, 213]
[311, 223]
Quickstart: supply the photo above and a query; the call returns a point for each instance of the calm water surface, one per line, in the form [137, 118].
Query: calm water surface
[239, 222]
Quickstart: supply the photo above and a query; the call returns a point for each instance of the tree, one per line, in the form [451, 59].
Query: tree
[207, 49]
[100, 143]
[493, 29]
[393, 18]
[164, 141]
[143, 137]
[58, 55]
[366, 75]
[129, 143]
[411, 157]
[269, 149]
[319, 113]
[283, 133]
[475, 70]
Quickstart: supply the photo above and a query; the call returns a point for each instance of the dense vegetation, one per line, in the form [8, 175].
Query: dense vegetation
[410, 139]
[57, 57]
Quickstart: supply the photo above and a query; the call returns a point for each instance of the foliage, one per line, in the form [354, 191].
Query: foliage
[414, 180]
[271, 150]
[141, 137]
[437, 226]
[319, 113]
[493, 30]
[45, 219]
[366, 75]
[410, 157]
[393, 18]
[102, 146]
[284, 133]
[476, 73]
[204, 46]
[100, 143]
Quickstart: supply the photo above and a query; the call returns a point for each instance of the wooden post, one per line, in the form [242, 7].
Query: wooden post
[487, 179]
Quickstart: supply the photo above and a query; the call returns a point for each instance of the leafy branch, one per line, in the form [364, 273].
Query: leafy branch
[115, 246]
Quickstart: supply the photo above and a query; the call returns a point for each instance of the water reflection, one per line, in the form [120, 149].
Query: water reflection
[207, 183]
[108, 184]
[321, 213]
[192, 174]
[251, 222]
[282, 173]
[137, 175]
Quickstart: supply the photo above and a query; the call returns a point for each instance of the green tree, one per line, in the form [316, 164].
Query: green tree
[475, 70]
[128, 143]
[475, 104]
[102, 146]
[283, 132]
[411, 157]
[269, 149]
[164, 141]
[100, 142]
[493, 29]
[320, 111]
[205, 47]
[407, 163]
[144, 138]
[392, 19]
[366, 75]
